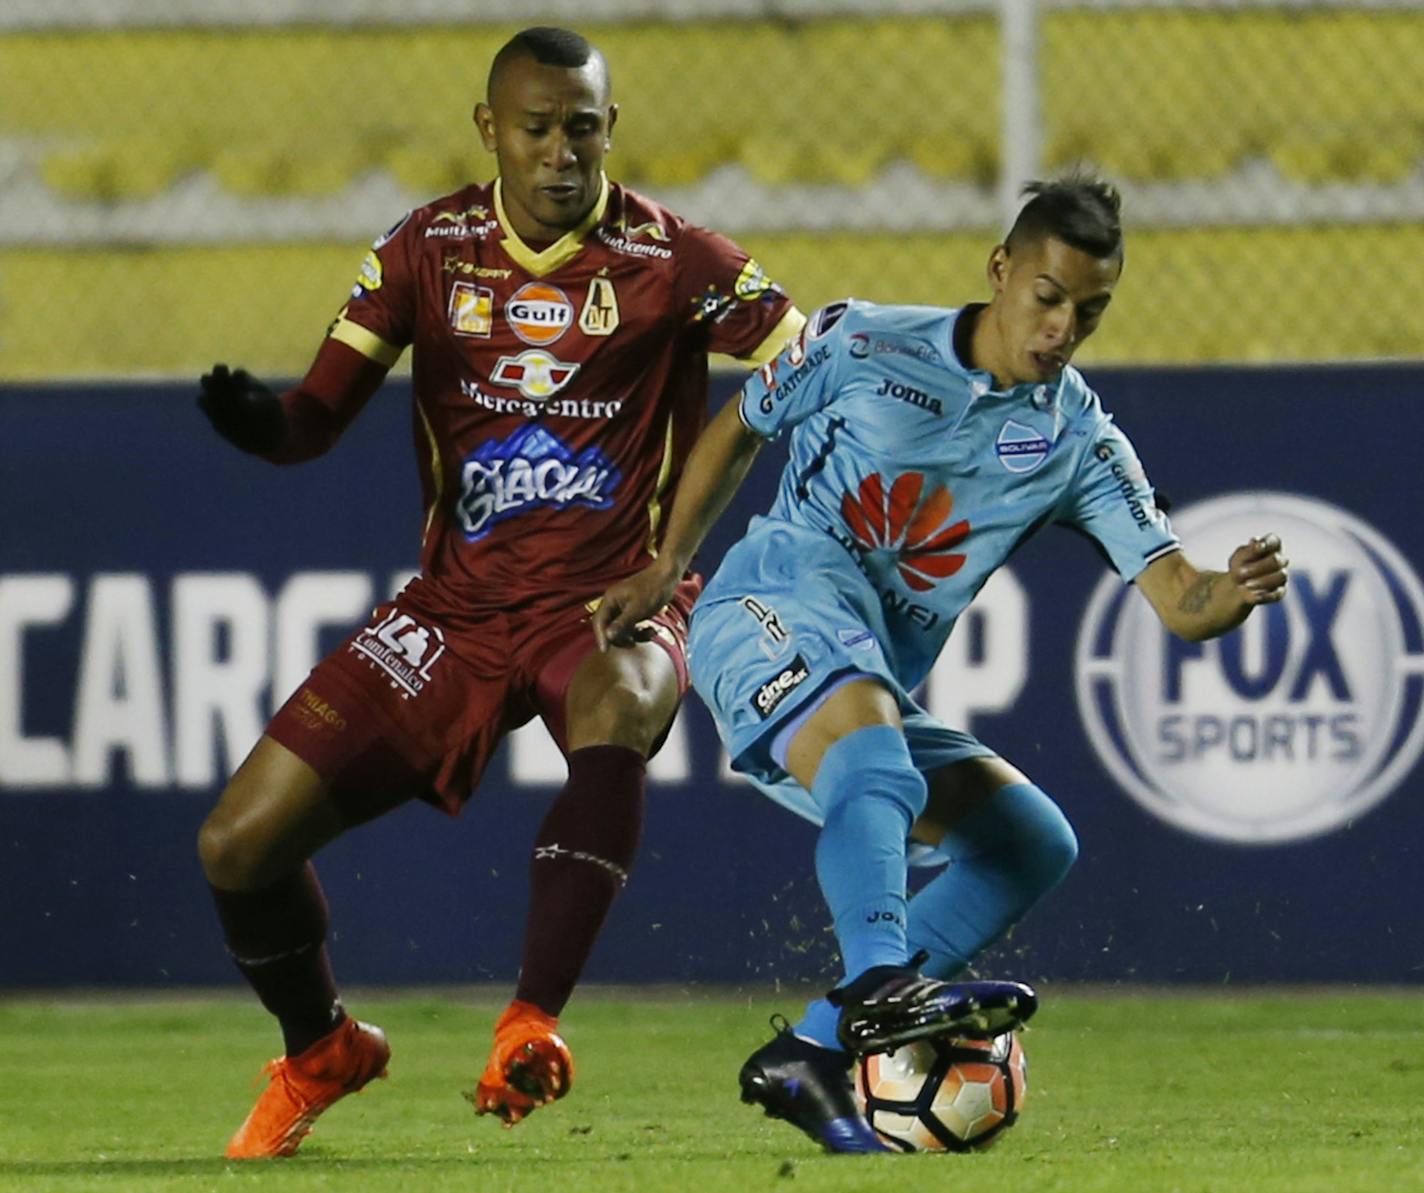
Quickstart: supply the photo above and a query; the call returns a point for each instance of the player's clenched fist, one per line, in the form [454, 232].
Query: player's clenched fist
[1259, 570]
[243, 410]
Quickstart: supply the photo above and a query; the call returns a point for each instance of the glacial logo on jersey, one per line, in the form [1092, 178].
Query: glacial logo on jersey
[1021, 448]
[539, 313]
[1291, 726]
[909, 522]
[769, 696]
[537, 375]
[404, 649]
[532, 469]
[471, 310]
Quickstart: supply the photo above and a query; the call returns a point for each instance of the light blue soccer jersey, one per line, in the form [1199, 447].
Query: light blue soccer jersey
[910, 481]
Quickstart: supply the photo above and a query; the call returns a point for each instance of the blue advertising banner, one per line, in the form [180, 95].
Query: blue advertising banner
[1247, 808]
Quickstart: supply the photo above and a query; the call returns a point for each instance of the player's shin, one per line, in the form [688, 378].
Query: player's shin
[872, 793]
[277, 938]
[1005, 856]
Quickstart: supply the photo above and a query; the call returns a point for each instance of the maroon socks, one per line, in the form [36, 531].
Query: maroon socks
[277, 937]
[582, 856]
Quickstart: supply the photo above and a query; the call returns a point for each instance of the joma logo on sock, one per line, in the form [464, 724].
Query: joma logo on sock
[774, 691]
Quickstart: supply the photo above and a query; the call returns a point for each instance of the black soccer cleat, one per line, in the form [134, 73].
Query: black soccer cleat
[891, 1005]
[808, 1086]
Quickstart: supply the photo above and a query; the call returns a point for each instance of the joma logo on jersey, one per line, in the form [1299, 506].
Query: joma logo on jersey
[532, 469]
[533, 373]
[403, 648]
[539, 313]
[908, 393]
[769, 696]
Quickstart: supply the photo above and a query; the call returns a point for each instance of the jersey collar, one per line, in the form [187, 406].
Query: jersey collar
[1043, 395]
[563, 250]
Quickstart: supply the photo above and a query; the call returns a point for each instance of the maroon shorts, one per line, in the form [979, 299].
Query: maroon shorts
[417, 702]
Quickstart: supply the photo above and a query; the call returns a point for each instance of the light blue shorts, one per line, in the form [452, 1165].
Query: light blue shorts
[764, 656]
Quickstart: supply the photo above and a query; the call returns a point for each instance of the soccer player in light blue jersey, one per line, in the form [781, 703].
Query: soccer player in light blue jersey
[926, 445]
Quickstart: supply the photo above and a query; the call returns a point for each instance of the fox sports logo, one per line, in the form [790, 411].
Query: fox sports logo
[1288, 727]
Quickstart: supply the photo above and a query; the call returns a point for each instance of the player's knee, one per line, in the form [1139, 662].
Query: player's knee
[232, 858]
[871, 764]
[622, 716]
[1040, 842]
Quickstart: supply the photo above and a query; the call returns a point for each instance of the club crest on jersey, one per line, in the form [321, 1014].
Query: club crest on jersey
[532, 469]
[539, 313]
[471, 310]
[600, 309]
[1021, 448]
[535, 374]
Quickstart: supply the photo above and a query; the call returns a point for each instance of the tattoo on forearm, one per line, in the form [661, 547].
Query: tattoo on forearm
[1198, 596]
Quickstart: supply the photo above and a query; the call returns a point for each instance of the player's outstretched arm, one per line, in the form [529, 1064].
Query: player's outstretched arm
[715, 470]
[1197, 604]
[242, 410]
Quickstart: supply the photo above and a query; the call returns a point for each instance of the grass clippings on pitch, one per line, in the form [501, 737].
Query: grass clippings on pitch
[1256, 1092]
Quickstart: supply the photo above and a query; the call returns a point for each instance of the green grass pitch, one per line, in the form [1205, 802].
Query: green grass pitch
[1250, 1092]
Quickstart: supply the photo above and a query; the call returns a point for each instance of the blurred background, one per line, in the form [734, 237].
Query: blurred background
[183, 181]
[182, 175]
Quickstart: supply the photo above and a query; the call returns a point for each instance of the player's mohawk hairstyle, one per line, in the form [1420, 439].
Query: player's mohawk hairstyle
[548, 46]
[1081, 210]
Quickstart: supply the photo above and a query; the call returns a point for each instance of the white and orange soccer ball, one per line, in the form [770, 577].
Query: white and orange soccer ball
[944, 1095]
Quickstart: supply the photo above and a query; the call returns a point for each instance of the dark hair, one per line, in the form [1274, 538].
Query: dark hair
[548, 46]
[1080, 210]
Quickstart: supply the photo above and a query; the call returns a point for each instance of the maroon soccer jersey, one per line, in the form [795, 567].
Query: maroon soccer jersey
[557, 392]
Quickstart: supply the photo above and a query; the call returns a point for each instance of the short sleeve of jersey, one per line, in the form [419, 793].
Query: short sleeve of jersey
[1113, 501]
[723, 289]
[383, 299]
[799, 380]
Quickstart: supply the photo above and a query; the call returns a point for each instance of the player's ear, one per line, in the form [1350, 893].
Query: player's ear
[608, 130]
[997, 270]
[484, 121]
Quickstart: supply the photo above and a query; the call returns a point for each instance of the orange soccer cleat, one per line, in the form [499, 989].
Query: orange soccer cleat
[302, 1086]
[529, 1066]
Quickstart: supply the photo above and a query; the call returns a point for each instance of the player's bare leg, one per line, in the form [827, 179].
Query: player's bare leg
[619, 704]
[255, 848]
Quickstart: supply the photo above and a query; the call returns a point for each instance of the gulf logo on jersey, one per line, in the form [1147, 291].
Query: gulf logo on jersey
[539, 313]
[1293, 725]
[915, 528]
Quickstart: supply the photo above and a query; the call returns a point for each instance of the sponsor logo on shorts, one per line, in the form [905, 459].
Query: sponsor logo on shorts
[315, 713]
[770, 695]
[1293, 725]
[532, 469]
[402, 648]
[539, 313]
[471, 310]
[860, 639]
[1021, 448]
[534, 373]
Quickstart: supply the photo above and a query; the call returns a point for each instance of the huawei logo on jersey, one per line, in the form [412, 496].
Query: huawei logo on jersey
[903, 522]
[539, 313]
[534, 373]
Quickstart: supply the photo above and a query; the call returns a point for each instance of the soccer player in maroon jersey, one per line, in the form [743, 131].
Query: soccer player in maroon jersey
[559, 326]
